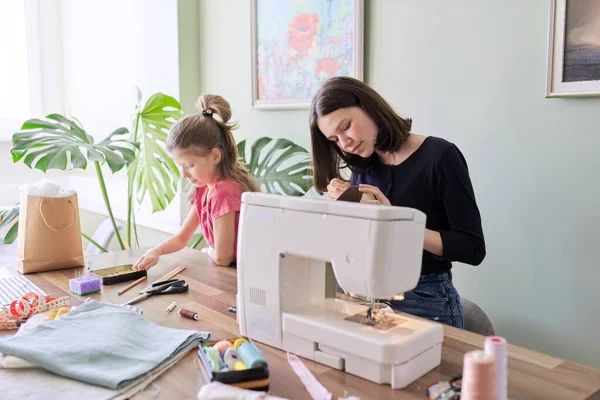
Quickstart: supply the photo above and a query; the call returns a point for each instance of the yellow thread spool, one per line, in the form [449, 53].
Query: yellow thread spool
[239, 366]
[239, 342]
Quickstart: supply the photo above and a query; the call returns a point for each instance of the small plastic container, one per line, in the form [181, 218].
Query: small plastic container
[256, 378]
[121, 273]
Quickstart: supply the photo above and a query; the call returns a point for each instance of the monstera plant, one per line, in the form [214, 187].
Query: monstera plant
[57, 142]
[279, 166]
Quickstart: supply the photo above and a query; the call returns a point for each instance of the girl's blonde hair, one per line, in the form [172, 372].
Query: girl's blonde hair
[210, 129]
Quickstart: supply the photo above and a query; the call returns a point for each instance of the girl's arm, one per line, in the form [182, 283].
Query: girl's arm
[171, 245]
[224, 230]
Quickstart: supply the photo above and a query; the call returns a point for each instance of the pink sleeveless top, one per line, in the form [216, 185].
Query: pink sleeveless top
[225, 197]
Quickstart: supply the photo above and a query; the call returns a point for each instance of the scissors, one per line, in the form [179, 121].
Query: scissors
[164, 287]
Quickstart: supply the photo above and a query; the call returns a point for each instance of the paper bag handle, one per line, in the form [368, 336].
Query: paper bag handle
[58, 229]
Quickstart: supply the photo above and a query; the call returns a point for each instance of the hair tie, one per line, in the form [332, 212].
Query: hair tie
[207, 112]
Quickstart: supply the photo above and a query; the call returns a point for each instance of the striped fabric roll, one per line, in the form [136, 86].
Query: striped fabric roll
[15, 287]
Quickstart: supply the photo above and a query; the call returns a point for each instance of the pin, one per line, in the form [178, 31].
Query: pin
[171, 307]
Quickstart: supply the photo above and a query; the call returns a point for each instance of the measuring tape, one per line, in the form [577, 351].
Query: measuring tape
[28, 305]
[316, 390]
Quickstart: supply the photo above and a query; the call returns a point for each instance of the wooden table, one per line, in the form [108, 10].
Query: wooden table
[212, 292]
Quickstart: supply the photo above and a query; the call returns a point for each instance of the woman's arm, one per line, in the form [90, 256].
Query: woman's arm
[463, 241]
[171, 245]
[224, 231]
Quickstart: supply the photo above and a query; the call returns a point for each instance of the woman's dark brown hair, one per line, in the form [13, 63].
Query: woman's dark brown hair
[341, 92]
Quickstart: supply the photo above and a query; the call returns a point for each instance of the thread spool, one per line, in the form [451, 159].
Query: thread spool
[222, 345]
[249, 353]
[497, 347]
[213, 357]
[233, 360]
[479, 377]
[189, 314]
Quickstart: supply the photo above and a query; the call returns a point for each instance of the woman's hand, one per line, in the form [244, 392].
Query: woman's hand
[376, 195]
[147, 261]
[336, 187]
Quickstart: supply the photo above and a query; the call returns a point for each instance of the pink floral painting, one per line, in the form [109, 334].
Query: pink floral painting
[298, 44]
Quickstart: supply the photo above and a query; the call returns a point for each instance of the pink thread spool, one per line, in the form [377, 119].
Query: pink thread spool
[479, 377]
[222, 345]
[497, 347]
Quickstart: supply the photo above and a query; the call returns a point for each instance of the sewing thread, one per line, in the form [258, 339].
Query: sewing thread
[213, 357]
[222, 346]
[188, 314]
[497, 347]
[479, 380]
[249, 353]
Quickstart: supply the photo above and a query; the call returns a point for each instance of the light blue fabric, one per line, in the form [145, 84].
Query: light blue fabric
[101, 344]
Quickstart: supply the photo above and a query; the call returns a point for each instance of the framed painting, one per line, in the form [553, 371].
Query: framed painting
[299, 44]
[574, 48]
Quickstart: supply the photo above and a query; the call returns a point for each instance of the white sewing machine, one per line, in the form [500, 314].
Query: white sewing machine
[284, 246]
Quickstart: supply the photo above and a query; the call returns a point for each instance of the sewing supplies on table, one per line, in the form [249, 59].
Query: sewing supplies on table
[479, 381]
[165, 277]
[286, 274]
[15, 287]
[85, 284]
[223, 362]
[171, 307]
[189, 314]
[497, 347]
[118, 274]
[444, 390]
[18, 311]
[167, 287]
[132, 284]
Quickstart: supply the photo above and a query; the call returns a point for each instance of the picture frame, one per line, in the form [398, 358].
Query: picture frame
[298, 44]
[573, 49]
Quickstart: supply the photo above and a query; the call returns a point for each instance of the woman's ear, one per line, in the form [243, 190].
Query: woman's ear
[215, 156]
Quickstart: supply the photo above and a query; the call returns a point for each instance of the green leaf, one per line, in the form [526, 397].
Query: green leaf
[61, 143]
[155, 172]
[10, 215]
[279, 166]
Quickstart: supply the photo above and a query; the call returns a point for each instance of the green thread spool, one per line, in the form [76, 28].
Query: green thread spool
[214, 358]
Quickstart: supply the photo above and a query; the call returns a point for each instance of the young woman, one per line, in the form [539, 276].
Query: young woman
[204, 147]
[353, 126]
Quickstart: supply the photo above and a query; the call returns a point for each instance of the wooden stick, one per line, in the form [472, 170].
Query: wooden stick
[164, 278]
[132, 284]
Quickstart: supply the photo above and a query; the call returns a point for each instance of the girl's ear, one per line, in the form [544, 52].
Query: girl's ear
[215, 156]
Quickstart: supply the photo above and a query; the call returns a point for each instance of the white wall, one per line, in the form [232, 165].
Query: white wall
[474, 73]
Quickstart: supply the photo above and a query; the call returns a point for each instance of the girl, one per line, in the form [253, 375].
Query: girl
[204, 147]
[353, 124]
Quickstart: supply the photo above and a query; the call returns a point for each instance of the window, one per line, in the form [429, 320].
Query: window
[14, 68]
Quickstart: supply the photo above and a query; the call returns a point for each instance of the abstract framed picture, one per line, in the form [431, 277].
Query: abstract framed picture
[299, 44]
[574, 49]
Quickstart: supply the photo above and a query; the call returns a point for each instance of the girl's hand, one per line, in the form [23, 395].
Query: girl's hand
[147, 261]
[336, 187]
[378, 196]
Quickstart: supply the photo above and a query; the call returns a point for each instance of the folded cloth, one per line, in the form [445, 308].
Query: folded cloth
[102, 344]
[32, 323]
[221, 391]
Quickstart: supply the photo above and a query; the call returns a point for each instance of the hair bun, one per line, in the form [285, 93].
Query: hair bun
[211, 104]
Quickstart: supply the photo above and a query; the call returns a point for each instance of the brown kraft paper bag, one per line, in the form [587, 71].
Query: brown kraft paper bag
[49, 236]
